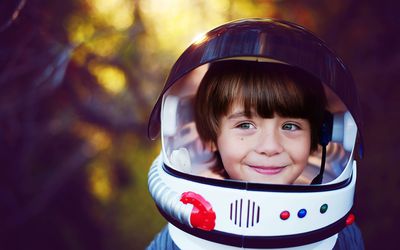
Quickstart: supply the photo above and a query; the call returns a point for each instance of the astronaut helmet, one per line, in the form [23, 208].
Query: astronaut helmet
[206, 206]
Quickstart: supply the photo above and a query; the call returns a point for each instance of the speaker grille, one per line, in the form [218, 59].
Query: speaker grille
[244, 213]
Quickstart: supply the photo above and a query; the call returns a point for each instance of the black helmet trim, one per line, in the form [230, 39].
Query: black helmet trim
[228, 183]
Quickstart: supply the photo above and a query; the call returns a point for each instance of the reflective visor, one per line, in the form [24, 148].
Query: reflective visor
[266, 39]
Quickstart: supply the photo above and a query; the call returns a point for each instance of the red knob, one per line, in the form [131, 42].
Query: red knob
[202, 216]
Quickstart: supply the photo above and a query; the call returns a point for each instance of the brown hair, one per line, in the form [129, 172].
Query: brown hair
[268, 88]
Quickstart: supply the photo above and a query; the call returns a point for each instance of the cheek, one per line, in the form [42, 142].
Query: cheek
[302, 151]
[303, 157]
[227, 152]
[298, 147]
[232, 150]
[234, 146]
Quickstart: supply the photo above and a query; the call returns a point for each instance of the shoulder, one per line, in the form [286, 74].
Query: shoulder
[162, 241]
[350, 238]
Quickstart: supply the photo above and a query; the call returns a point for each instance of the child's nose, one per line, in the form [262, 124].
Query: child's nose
[269, 144]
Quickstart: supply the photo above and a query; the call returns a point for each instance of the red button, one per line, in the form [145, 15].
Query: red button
[350, 219]
[285, 215]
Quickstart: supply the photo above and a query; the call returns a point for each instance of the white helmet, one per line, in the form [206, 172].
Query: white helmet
[206, 212]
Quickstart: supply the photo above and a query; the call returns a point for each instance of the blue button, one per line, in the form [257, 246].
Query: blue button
[302, 213]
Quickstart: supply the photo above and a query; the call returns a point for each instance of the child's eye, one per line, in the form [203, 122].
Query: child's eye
[290, 126]
[245, 125]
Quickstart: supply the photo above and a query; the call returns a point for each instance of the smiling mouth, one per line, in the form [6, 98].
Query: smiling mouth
[268, 170]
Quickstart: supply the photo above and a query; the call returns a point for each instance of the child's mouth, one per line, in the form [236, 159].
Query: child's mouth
[267, 170]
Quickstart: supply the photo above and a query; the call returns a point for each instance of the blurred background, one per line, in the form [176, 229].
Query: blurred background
[78, 80]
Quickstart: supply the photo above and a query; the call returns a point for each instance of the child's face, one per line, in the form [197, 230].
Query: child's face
[263, 150]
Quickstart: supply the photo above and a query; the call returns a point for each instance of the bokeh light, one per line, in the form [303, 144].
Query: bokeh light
[110, 78]
[115, 13]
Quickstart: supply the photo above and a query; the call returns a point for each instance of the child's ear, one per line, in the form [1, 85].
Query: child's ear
[211, 146]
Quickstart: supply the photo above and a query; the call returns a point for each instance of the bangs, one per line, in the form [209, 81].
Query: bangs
[269, 89]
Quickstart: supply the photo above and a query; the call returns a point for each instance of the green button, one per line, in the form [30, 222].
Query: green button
[323, 208]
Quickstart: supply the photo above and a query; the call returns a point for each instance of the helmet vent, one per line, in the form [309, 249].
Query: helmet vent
[244, 213]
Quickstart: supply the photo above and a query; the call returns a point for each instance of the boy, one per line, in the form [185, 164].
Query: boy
[262, 119]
